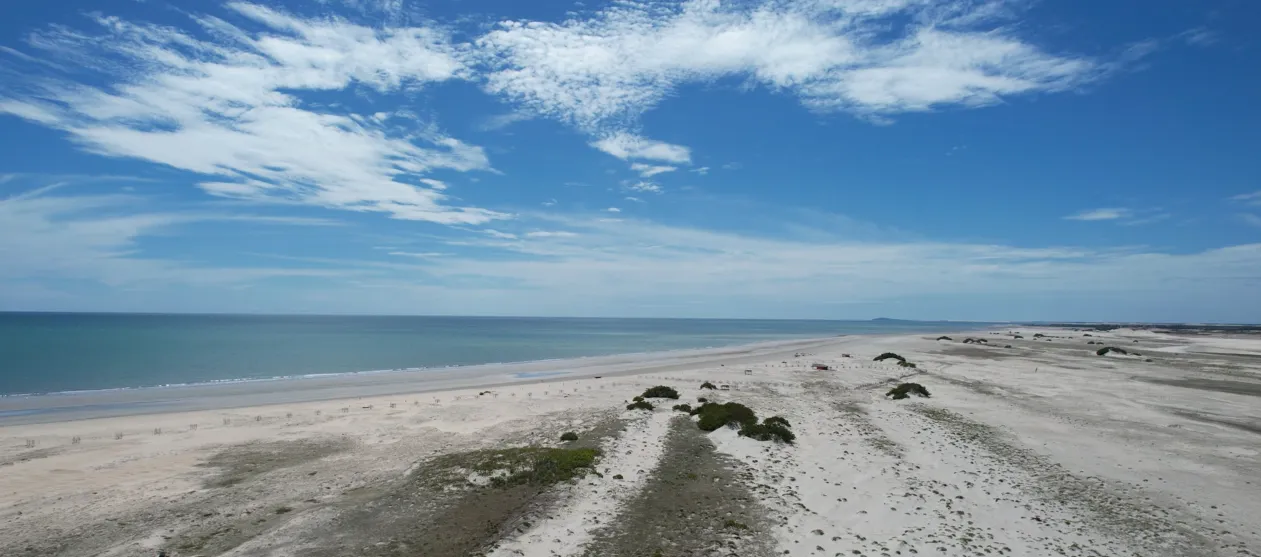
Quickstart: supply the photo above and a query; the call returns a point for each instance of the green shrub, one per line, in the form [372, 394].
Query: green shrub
[906, 364]
[683, 408]
[774, 431]
[714, 416]
[661, 391]
[701, 399]
[735, 525]
[708, 385]
[944, 338]
[777, 420]
[640, 405]
[905, 390]
[1106, 349]
[535, 465]
[888, 355]
[638, 399]
[569, 436]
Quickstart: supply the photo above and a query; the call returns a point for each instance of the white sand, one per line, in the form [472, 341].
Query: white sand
[1040, 449]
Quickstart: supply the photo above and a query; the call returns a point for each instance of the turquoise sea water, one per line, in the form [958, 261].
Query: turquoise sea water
[57, 352]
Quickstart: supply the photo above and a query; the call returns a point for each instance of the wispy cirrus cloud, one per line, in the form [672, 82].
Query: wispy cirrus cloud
[229, 99]
[1115, 213]
[644, 187]
[628, 259]
[872, 58]
[230, 108]
[628, 146]
[1253, 198]
[649, 170]
[1121, 215]
[96, 237]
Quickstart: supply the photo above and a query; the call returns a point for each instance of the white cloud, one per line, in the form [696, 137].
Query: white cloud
[702, 170]
[550, 234]
[549, 203]
[1253, 198]
[419, 255]
[1200, 36]
[1251, 219]
[500, 235]
[628, 146]
[1101, 214]
[502, 121]
[874, 58]
[613, 210]
[232, 108]
[435, 184]
[633, 199]
[648, 170]
[647, 187]
[96, 238]
[621, 262]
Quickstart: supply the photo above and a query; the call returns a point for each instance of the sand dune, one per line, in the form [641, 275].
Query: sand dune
[1043, 448]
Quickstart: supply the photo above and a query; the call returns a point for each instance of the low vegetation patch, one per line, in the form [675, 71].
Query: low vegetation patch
[708, 385]
[888, 355]
[535, 465]
[640, 405]
[774, 431]
[944, 338]
[906, 364]
[569, 436]
[1105, 350]
[683, 408]
[777, 420]
[713, 416]
[905, 390]
[660, 391]
[539, 466]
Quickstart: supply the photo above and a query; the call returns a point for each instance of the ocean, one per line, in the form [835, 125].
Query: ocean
[64, 352]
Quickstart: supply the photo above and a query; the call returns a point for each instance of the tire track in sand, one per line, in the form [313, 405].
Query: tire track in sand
[596, 500]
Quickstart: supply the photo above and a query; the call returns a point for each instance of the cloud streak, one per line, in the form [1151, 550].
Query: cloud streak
[868, 58]
[96, 238]
[1101, 214]
[230, 109]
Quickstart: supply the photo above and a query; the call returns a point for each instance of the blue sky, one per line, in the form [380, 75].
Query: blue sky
[920, 159]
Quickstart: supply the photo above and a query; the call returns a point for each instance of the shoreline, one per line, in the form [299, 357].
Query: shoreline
[417, 369]
[65, 406]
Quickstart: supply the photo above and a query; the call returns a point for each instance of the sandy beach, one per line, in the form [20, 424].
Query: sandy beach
[1028, 446]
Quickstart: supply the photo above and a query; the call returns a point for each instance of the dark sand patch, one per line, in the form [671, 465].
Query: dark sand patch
[436, 512]
[992, 353]
[693, 504]
[243, 463]
[33, 454]
[1252, 426]
[1214, 385]
[1152, 530]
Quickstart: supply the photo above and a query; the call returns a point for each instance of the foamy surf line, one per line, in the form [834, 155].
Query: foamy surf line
[229, 394]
